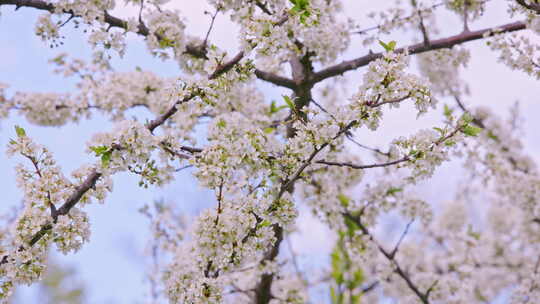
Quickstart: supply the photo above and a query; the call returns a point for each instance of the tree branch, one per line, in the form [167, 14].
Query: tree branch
[354, 166]
[198, 51]
[532, 6]
[275, 79]
[263, 290]
[418, 48]
[423, 296]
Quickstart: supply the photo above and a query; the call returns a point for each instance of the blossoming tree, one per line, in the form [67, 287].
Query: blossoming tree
[263, 158]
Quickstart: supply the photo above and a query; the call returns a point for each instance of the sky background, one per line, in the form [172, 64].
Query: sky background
[112, 264]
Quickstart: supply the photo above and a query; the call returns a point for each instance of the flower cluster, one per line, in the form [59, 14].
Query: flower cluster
[129, 148]
[518, 52]
[387, 82]
[39, 225]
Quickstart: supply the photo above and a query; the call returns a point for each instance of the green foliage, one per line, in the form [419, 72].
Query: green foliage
[441, 131]
[389, 47]
[466, 118]
[274, 108]
[104, 152]
[447, 111]
[347, 279]
[289, 102]
[344, 200]
[221, 123]
[301, 8]
[268, 130]
[393, 191]
[264, 223]
[20, 131]
[165, 43]
[470, 130]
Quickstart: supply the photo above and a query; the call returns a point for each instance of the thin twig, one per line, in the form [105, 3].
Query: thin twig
[395, 250]
[205, 42]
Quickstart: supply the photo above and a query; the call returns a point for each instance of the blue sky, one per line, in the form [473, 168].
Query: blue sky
[112, 263]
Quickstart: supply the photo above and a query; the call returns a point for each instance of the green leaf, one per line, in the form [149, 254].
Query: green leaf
[447, 111]
[351, 226]
[106, 158]
[393, 191]
[471, 130]
[265, 223]
[221, 123]
[417, 154]
[164, 43]
[274, 108]
[269, 130]
[449, 143]
[99, 150]
[390, 46]
[439, 130]
[466, 118]
[344, 200]
[20, 131]
[289, 102]
[300, 7]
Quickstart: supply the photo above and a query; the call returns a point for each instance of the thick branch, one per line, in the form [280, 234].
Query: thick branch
[275, 79]
[263, 292]
[532, 6]
[442, 43]
[74, 198]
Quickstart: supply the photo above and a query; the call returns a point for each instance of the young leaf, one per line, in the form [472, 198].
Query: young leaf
[393, 191]
[99, 150]
[221, 123]
[390, 46]
[273, 107]
[344, 200]
[289, 102]
[467, 118]
[439, 130]
[265, 223]
[20, 131]
[268, 130]
[106, 158]
[447, 111]
[471, 130]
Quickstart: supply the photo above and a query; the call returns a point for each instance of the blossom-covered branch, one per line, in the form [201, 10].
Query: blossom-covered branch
[418, 48]
[198, 51]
